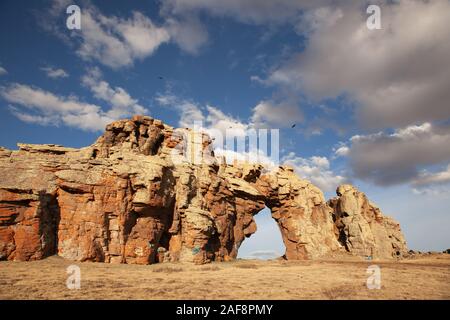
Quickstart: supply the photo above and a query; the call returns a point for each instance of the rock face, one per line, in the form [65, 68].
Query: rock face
[362, 228]
[139, 195]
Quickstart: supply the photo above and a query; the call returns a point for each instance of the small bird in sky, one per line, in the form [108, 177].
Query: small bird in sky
[293, 126]
[160, 78]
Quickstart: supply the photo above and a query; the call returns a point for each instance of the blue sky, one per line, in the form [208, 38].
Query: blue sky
[371, 107]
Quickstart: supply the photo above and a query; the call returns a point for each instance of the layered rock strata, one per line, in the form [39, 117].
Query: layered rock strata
[138, 195]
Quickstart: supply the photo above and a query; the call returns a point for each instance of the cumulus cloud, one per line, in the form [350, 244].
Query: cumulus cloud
[35, 119]
[110, 40]
[341, 151]
[185, 27]
[190, 114]
[187, 32]
[433, 191]
[209, 117]
[35, 105]
[398, 75]
[55, 73]
[189, 111]
[217, 119]
[246, 11]
[397, 157]
[118, 42]
[43, 107]
[120, 101]
[221, 127]
[281, 115]
[315, 169]
[428, 178]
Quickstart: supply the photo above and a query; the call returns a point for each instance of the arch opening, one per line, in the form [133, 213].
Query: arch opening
[266, 243]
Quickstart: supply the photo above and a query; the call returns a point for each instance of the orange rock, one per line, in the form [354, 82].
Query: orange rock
[133, 197]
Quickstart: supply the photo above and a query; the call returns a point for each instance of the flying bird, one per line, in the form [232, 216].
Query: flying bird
[160, 78]
[293, 126]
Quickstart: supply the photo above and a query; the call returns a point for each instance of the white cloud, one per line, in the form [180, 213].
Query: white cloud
[393, 158]
[3, 71]
[118, 42]
[55, 73]
[427, 178]
[247, 11]
[212, 118]
[35, 119]
[257, 79]
[218, 126]
[166, 99]
[121, 102]
[281, 115]
[45, 108]
[342, 151]
[141, 35]
[187, 32]
[433, 191]
[32, 97]
[218, 120]
[315, 169]
[221, 127]
[110, 40]
[398, 75]
[190, 113]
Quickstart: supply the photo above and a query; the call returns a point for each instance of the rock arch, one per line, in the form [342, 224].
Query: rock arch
[266, 242]
[129, 198]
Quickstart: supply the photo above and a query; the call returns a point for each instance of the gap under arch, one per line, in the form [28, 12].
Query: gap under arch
[266, 243]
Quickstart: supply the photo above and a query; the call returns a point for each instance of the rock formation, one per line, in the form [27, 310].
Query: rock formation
[362, 228]
[136, 196]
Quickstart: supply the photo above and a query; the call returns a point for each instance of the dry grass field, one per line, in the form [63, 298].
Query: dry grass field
[427, 277]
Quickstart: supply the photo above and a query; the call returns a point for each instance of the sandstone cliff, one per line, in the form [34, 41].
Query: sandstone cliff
[134, 197]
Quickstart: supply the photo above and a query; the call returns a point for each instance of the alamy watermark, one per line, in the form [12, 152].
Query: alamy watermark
[374, 279]
[73, 281]
[373, 22]
[73, 21]
[210, 145]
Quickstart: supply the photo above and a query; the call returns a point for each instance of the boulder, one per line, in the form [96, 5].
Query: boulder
[361, 227]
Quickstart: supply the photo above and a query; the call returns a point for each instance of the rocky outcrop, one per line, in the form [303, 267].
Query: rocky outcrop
[139, 194]
[361, 227]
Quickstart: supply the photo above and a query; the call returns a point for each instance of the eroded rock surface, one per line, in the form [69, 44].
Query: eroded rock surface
[137, 196]
[362, 228]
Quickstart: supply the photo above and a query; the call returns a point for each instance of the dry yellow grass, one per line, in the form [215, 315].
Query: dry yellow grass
[424, 278]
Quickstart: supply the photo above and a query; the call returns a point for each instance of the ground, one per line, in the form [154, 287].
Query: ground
[426, 277]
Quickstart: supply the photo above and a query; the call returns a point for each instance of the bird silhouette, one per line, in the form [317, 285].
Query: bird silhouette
[293, 126]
